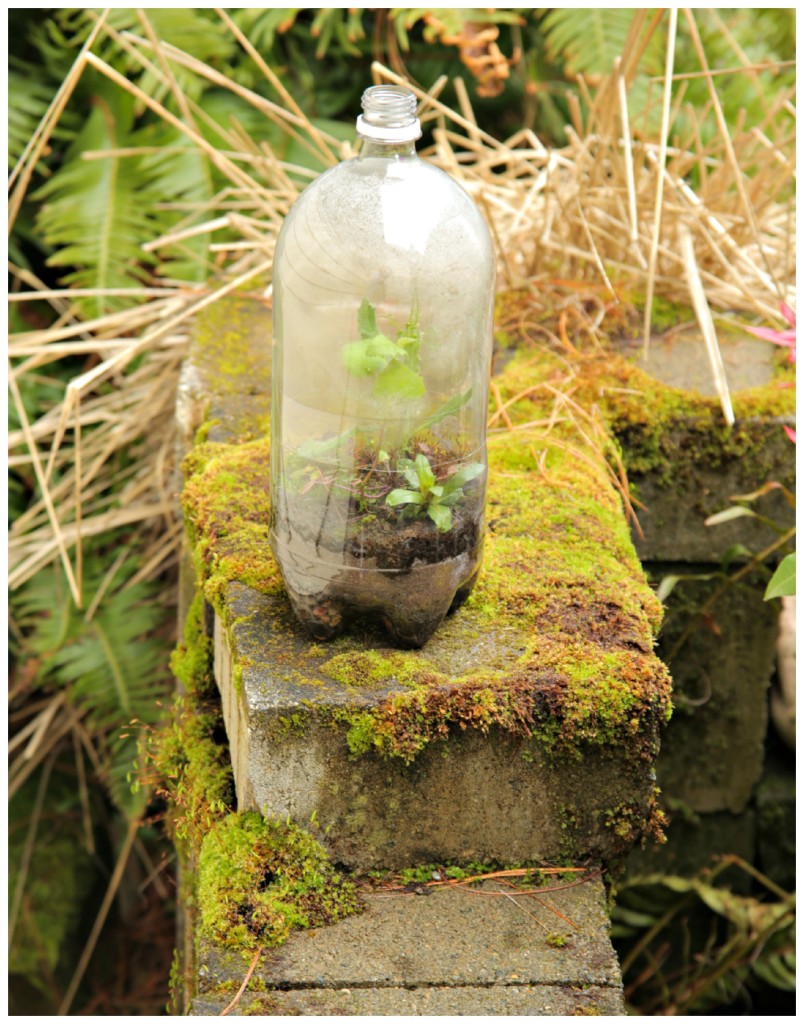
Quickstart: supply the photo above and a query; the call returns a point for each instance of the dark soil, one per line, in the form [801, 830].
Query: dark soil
[398, 544]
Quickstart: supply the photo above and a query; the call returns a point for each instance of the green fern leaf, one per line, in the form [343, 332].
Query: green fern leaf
[97, 213]
[587, 41]
[114, 667]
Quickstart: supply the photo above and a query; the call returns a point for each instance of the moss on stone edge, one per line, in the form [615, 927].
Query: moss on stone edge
[260, 879]
[227, 508]
[559, 568]
[663, 430]
[194, 767]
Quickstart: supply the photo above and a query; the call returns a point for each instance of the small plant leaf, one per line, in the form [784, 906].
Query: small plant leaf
[783, 581]
[667, 586]
[425, 473]
[397, 380]
[459, 479]
[735, 512]
[370, 355]
[441, 516]
[449, 408]
[367, 320]
[403, 497]
[407, 467]
[327, 450]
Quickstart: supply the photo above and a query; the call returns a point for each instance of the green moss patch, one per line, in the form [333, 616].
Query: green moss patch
[259, 879]
[189, 754]
[559, 573]
[226, 501]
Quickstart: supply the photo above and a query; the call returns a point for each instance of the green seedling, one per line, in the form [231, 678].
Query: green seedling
[394, 365]
[427, 496]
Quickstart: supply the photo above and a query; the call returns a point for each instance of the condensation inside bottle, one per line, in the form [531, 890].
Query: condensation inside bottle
[383, 297]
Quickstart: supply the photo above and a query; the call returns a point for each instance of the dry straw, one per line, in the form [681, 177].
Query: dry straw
[611, 210]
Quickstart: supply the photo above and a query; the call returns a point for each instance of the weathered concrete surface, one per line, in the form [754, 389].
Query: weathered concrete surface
[673, 521]
[721, 663]
[456, 951]
[473, 797]
[704, 471]
[576, 625]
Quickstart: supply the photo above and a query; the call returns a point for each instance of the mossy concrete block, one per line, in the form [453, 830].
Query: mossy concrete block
[455, 951]
[704, 479]
[224, 387]
[684, 462]
[721, 658]
[526, 728]
[471, 795]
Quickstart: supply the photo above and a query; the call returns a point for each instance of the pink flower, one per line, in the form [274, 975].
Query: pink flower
[790, 433]
[786, 338]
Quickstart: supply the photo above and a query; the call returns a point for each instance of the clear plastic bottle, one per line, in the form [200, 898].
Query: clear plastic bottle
[383, 310]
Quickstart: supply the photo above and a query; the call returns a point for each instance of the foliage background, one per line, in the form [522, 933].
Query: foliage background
[114, 176]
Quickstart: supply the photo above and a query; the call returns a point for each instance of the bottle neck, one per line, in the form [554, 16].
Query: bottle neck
[372, 149]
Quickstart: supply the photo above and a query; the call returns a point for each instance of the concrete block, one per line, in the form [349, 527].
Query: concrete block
[457, 951]
[721, 663]
[469, 796]
[684, 463]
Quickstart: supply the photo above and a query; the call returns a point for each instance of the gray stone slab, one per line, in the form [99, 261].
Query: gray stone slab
[485, 950]
[468, 1001]
[472, 797]
[680, 360]
[707, 472]
[721, 663]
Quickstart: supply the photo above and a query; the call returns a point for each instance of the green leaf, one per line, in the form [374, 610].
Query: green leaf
[324, 451]
[783, 581]
[407, 467]
[398, 381]
[369, 355]
[449, 408]
[441, 516]
[424, 472]
[112, 667]
[668, 583]
[735, 512]
[367, 320]
[98, 213]
[403, 497]
[459, 479]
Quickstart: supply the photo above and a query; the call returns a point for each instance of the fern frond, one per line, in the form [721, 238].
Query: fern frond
[113, 667]
[180, 174]
[262, 24]
[589, 39]
[28, 100]
[97, 213]
[194, 30]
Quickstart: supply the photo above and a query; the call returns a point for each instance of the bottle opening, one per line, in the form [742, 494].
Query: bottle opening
[389, 114]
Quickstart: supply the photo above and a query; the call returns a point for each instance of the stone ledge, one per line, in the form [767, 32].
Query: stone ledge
[525, 729]
[456, 951]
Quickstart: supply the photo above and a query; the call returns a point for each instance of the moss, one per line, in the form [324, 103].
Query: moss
[258, 880]
[556, 940]
[226, 501]
[187, 754]
[219, 334]
[559, 568]
[372, 668]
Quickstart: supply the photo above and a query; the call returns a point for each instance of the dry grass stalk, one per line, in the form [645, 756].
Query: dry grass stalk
[585, 212]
